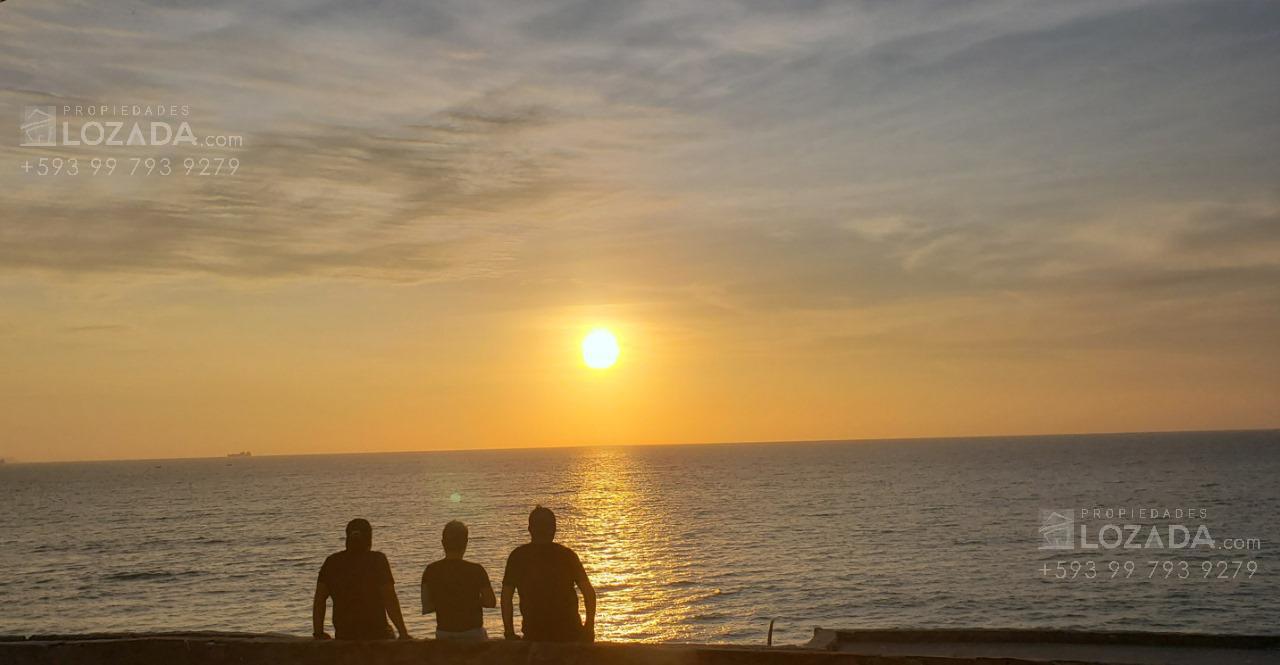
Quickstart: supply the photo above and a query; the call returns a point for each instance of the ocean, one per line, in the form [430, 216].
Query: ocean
[683, 543]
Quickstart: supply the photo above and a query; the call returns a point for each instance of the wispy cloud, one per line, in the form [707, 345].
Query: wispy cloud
[407, 140]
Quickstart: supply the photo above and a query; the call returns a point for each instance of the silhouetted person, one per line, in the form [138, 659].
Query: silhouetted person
[456, 590]
[363, 591]
[545, 573]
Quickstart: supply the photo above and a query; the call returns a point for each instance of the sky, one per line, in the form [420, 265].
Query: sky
[803, 220]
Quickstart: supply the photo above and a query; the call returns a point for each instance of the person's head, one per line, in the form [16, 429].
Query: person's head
[542, 525]
[454, 538]
[359, 535]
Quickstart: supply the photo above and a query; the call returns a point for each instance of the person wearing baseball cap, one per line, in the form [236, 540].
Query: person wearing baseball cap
[364, 593]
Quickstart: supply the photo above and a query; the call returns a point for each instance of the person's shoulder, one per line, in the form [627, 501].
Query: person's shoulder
[475, 567]
[333, 565]
[521, 555]
[568, 556]
[434, 567]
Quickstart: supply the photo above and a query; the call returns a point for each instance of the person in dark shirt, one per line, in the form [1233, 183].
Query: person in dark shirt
[363, 591]
[545, 573]
[456, 590]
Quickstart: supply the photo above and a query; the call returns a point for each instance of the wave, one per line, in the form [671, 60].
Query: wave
[133, 576]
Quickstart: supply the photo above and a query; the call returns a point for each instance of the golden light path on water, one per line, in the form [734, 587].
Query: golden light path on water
[624, 534]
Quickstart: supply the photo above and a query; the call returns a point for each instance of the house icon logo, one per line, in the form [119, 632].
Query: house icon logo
[39, 126]
[1057, 529]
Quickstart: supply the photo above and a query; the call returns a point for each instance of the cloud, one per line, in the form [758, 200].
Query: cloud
[819, 155]
[1226, 228]
[97, 328]
[412, 203]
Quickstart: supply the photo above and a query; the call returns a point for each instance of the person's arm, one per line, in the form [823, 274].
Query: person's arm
[427, 606]
[318, 607]
[392, 602]
[508, 612]
[510, 578]
[487, 599]
[588, 601]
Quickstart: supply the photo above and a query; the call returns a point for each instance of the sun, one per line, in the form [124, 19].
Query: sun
[600, 349]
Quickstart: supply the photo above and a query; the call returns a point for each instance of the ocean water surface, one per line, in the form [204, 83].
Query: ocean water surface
[684, 543]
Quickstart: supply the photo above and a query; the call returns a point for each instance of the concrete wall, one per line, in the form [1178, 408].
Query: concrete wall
[231, 650]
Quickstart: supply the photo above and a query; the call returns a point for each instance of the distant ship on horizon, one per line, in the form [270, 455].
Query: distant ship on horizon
[243, 453]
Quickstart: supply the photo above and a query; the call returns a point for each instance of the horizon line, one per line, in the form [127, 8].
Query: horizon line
[766, 442]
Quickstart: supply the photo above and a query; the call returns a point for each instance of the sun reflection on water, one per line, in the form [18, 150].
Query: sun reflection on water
[622, 530]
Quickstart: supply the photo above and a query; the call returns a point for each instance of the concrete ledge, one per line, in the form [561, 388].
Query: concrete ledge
[823, 638]
[1120, 648]
[234, 649]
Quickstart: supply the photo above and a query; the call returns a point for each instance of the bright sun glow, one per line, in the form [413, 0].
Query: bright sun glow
[600, 349]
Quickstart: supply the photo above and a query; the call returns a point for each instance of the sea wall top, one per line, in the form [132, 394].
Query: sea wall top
[200, 649]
